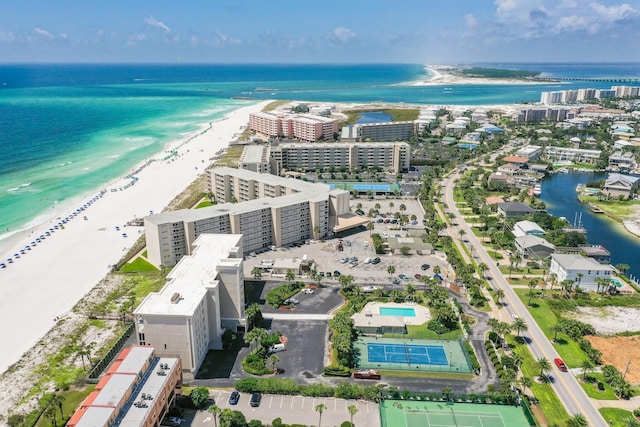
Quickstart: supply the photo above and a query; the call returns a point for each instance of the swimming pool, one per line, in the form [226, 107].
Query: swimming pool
[617, 282]
[397, 311]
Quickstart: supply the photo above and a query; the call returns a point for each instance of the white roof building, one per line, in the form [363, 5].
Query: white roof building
[581, 270]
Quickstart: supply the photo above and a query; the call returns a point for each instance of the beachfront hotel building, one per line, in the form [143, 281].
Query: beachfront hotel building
[203, 296]
[305, 127]
[393, 157]
[266, 209]
[137, 391]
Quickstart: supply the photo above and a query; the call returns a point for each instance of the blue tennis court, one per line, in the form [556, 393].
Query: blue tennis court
[407, 353]
[372, 187]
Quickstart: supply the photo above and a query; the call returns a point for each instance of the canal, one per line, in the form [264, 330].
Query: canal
[559, 194]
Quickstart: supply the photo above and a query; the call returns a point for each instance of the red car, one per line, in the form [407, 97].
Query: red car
[418, 276]
[560, 364]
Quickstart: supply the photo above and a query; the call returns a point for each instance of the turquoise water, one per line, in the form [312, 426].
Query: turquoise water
[397, 311]
[68, 130]
[617, 282]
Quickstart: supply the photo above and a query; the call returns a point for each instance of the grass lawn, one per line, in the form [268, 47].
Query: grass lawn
[204, 204]
[614, 416]
[592, 388]
[548, 402]
[138, 264]
[495, 254]
[231, 157]
[71, 401]
[420, 332]
[568, 349]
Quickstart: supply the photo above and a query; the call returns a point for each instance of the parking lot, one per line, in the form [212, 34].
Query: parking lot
[293, 409]
[357, 243]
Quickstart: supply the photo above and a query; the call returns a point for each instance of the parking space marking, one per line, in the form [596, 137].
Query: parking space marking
[292, 400]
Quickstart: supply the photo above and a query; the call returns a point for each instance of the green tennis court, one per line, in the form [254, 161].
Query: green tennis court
[396, 413]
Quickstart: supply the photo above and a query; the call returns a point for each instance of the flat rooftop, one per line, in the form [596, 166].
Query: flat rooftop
[188, 281]
[253, 154]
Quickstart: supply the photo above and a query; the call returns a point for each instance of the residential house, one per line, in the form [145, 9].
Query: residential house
[527, 228]
[581, 270]
[514, 209]
[501, 178]
[534, 247]
[622, 161]
[620, 186]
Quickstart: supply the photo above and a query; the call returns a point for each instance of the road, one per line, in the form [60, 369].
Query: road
[564, 384]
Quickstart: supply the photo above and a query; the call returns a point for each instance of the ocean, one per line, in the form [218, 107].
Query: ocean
[68, 130]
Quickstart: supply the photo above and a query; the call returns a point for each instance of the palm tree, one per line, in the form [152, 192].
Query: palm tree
[587, 365]
[370, 227]
[256, 273]
[520, 326]
[483, 267]
[215, 410]
[273, 360]
[256, 336]
[437, 269]
[579, 280]
[532, 286]
[461, 232]
[631, 422]
[526, 382]
[353, 409]
[391, 205]
[50, 413]
[544, 366]
[251, 314]
[391, 269]
[410, 293]
[290, 275]
[622, 267]
[499, 293]
[556, 328]
[57, 400]
[320, 409]
[578, 420]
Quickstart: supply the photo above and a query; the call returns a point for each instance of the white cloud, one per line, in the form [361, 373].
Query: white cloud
[134, 39]
[470, 20]
[614, 13]
[44, 33]
[6, 37]
[341, 34]
[158, 24]
[223, 39]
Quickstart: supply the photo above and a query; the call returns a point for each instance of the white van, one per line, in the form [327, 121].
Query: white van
[277, 348]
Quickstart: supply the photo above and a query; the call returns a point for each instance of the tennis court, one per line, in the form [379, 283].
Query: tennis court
[417, 355]
[449, 414]
[407, 353]
[363, 187]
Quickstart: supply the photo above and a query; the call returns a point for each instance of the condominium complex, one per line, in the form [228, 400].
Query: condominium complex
[577, 155]
[270, 211]
[388, 131]
[587, 94]
[534, 115]
[305, 127]
[393, 157]
[137, 391]
[203, 296]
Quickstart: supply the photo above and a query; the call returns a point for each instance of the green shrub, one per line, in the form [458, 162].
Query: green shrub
[317, 390]
[254, 362]
[336, 371]
[277, 296]
[347, 391]
[268, 385]
[600, 386]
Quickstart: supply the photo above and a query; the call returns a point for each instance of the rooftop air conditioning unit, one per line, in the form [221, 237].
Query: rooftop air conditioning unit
[175, 298]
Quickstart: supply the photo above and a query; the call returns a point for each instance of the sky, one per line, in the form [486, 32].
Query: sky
[327, 31]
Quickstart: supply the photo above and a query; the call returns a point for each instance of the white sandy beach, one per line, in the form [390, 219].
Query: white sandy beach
[51, 278]
[443, 78]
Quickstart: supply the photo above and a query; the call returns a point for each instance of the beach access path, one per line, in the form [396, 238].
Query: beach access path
[47, 281]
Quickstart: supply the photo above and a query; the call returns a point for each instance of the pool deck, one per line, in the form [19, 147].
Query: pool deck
[423, 315]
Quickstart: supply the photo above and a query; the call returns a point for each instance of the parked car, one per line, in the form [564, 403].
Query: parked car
[336, 273]
[368, 261]
[418, 276]
[307, 291]
[508, 252]
[328, 274]
[252, 254]
[425, 267]
[344, 260]
[234, 398]
[353, 259]
[291, 301]
[403, 277]
[379, 220]
[396, 281]
[255, 400]
[376, 260]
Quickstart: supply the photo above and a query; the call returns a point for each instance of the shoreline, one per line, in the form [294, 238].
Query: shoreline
[52, 277]
[444, 78]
